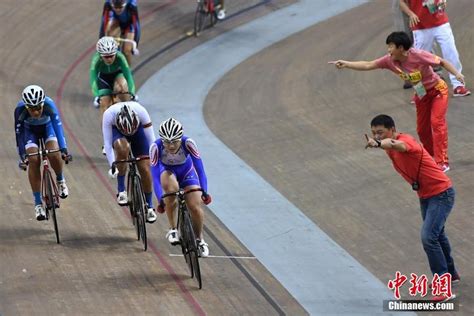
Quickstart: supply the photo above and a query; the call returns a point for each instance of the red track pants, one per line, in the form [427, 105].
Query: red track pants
[431, 123]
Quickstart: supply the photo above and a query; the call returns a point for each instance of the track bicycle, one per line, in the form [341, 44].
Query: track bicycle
[187, 238]
[136, 197]
[49, 189]
[205, 10]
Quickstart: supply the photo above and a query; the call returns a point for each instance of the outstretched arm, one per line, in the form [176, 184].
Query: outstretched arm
[135, 22]
[355, 65]
[155, 170]
[449, 67]
[191, 147]
[51, 109]
[19, 131]
[387, 143]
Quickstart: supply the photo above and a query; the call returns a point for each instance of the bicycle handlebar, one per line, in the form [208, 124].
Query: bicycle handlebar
[43, 152]
[114, 94]
[135, 50]
[135, 159]
[182, 192]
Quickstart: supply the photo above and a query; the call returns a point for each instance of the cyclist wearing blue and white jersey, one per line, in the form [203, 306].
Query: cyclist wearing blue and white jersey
[36, 117]
[127, 123]
[120, 19]
[176, 163]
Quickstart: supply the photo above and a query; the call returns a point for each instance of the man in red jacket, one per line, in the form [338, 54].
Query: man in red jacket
[433, 187]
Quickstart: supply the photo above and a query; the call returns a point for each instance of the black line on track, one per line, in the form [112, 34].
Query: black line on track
[242, 269]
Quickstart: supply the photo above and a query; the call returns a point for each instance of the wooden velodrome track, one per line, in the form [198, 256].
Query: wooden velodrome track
[319, 114]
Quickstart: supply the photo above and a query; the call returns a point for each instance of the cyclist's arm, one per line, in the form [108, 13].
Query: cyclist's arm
[50, 109]
[19, 130]
[107, 123]
[93, 74]
[105, 19]
[191, 148]
[127, 73]
[155, 170]
[135, 21]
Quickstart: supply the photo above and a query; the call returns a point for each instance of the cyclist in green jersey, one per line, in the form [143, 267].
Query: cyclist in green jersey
[109, 73]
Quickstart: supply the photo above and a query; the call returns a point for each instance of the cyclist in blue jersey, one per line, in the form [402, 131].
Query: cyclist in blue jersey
[36, 117]
[176, 163]
[120, 19]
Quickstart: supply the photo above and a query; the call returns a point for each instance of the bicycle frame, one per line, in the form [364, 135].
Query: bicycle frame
[137, 203]
[204, 9]
[49, 190]
[46, 173]
[187, 236]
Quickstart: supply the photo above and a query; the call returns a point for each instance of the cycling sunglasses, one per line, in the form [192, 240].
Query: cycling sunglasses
[168, 142]
[118, 7]
[108, 56]
[34, 107]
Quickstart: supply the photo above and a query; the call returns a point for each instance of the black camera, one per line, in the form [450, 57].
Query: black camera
[415, 186]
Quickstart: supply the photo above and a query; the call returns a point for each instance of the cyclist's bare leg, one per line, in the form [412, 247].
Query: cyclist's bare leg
[120, 86]
[34, 173]
[113, 28]
[127, 47]
[121, 149]
[144, 169]
[193, 201]
[105, 103]
[169, 183]
[55, 158]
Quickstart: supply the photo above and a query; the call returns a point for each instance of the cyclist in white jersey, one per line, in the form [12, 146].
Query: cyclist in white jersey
[127, 126]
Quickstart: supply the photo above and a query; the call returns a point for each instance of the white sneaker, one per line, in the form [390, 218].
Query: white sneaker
[103, 151]
[151, 216]
[221, 14]
[40, 213]
[172, 236]
[122, 198]
[203, 248]
[63, 190]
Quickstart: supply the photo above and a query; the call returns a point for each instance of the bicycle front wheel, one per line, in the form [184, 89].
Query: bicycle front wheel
[51, 201]
[199, 18]
[140, 209]
[192, 249]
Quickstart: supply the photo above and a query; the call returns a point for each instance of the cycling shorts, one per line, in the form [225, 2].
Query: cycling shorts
[106, 81]
[33, 133]
[138, 141]
[185, 174]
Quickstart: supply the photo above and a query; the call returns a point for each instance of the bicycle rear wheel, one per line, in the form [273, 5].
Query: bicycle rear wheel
[199, 17]
[140, 211]
[51, 201]
[192, 249]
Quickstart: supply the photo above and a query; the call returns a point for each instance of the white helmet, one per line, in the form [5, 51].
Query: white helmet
[127, 121]
[33, 95]
[107, 46]
[170, 130]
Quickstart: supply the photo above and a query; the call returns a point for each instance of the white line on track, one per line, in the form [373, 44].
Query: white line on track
[220, 257]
